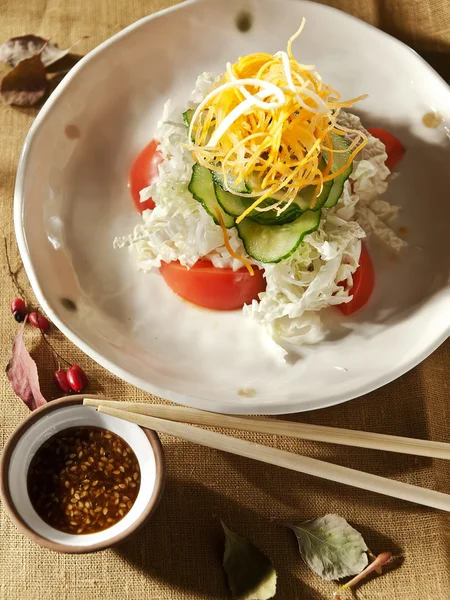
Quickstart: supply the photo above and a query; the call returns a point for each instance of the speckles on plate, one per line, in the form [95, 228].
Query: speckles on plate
[432, 119]
[69, 304]
[72, 132]
[247, 392]
[244, 21]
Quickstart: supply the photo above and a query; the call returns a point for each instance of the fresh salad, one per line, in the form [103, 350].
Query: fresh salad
[258, 195]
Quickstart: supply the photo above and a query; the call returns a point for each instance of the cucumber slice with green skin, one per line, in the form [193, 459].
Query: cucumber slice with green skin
[271, 217]
[236, 205]
[201, 187]
[233, 205]
[339, 160]
[187, 116]
[242, 188]
[305, 197]
[332, 190]
[338, 187]
[270, 244]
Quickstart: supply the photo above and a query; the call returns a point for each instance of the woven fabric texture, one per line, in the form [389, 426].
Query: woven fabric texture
[178, 554]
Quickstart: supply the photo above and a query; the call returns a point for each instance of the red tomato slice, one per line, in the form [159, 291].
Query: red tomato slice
[143, 172]
[211, 287]
[394, 148]
[363, 284]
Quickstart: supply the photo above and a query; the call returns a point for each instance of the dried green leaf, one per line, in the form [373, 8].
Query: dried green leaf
[26, 84]
[250, 573]
[17, 49]
[331, 547]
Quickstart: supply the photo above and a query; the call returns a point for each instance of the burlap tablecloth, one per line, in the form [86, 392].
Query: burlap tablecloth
[178, 554]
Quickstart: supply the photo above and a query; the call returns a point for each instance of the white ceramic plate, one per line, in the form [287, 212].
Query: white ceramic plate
[72, 200]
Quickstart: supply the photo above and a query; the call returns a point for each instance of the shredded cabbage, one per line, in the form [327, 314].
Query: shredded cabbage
[178, 228]
[311, 279]
[298, 288]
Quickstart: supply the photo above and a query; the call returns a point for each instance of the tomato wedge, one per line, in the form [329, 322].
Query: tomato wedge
[143, 172]
[363, 284]
[394, 148]
[211, 287]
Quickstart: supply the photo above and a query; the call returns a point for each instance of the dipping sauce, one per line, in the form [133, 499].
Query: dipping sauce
[83, 480]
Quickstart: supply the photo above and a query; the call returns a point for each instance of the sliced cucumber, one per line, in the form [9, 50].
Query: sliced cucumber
[339, 160]
[187, 116]
[201, 187]
[322, 198]
[305, 197]
[270, 244]
[302, 202]
[236, 205]
[272, 218]
[233, 205]
[242, 188]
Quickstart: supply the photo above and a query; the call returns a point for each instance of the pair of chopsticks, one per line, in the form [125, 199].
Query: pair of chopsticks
[172, 420]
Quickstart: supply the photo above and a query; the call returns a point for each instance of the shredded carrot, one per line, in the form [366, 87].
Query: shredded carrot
[234, 254]
[347, 164]
[330, 156]
[269, 119]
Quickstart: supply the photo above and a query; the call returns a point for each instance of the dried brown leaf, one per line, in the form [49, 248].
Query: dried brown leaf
[23, 375]
[17, 49]
[26, 84]
[64, 64]
[51, 54]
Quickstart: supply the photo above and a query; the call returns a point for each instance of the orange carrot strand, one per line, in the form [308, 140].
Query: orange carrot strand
[234, 254]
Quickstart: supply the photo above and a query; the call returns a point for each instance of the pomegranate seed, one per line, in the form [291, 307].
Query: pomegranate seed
[77, 378]
[18, 309]
[60, 378]
[39, 321]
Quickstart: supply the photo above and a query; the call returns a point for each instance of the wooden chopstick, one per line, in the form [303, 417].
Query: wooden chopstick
[288, 460]
[318, 433]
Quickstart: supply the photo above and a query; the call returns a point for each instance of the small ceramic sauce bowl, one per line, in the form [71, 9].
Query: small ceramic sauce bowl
[44, 423]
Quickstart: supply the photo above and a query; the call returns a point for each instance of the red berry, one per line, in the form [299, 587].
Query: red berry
[77, 378]
[18, 304]
[18, 309]
[39, 321]
[60, 378]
